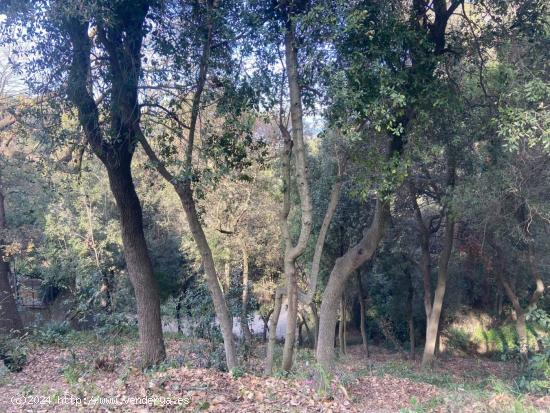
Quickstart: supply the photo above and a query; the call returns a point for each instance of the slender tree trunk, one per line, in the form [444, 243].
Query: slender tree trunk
[272, 340]
[308, 330]
[313, 307]
[521, 328]
[343, 268]
[220, 306]
[139, 264]
[410, 320]
[226, 276]
[178, 313]
[292, 315]
[300, 163]
[433, 320]
[265, 320]
[425, 259]
[342, 327]
[363, 318]
[244, 303]
[10, 320]
[300, 338]
[363, 328]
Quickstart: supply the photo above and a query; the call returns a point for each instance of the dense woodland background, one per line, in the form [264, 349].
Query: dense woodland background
[372, 171]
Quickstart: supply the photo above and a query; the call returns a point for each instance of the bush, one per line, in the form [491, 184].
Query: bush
[54, 333]
[536, 376]
[13, 353]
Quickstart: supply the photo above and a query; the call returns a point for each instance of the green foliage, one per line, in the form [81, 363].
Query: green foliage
[237, 372]
[536, 376]
[54, 333]
[13, 352]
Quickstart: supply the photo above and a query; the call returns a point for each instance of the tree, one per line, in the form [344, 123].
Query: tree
[116, 34]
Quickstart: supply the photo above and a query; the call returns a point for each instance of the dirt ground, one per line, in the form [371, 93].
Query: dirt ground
[94, 377]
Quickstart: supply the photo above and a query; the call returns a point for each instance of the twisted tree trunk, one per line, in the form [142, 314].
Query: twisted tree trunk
[342, 270]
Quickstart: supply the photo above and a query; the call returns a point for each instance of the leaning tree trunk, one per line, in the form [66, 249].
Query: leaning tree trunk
[433, 320]
[343, 268]
[185, 194]
[140, 269]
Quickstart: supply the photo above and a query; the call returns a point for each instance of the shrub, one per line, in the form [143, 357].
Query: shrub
[54, 333]
[13, 353]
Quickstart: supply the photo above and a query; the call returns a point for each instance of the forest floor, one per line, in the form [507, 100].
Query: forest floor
[83, 373]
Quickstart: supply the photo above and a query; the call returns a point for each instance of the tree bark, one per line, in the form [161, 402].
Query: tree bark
[343, 268]
[521, 328]
[433, 320]
[315, 314]
[306, 208]
[10, 320]
[185, 194]
[363, 318]
[272, 339]
[244, 303]
[425, 259]
[341, 329]
[138, 262]
[124, 58]
[410, 320]
[184, 190]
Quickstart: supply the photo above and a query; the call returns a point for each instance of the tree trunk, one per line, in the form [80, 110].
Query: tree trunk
[185, 194]
[10, 320]
[115, 149]
[363, 310]
[410, 321]
[272, 340]
[313, 307]
[521, 328]
[178, 313]
[342, 327]
[343, 268]
[308, 331]
[138, 262]
[292, 315]
[244, 303]
[425, 259]
[306, 208]
[226, 285]
[364, 337]
[265, 320]
[433, 320]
